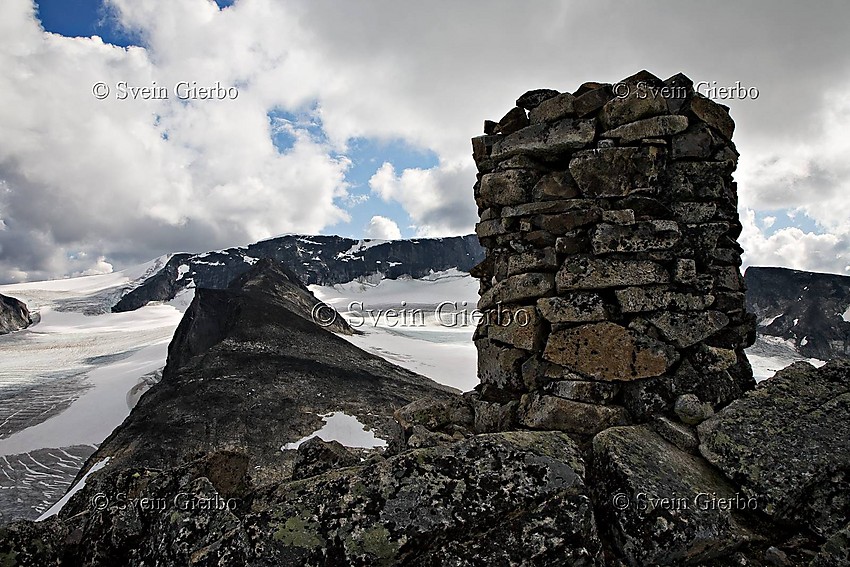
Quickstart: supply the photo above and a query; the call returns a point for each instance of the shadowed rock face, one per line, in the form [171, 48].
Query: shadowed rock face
[803, 307]
[249, 371]
[14, 315]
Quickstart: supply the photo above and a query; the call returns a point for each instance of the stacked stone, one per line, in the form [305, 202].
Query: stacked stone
[611, 283]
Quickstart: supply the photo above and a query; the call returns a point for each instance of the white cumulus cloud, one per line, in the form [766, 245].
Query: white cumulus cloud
[382, 228]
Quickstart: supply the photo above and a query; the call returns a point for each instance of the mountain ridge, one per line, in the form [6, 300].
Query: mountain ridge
[322, 260]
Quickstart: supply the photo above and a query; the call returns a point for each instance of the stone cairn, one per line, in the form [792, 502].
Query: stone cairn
[611, 291]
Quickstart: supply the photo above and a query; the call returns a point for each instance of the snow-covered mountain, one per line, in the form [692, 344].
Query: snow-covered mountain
[322, 260]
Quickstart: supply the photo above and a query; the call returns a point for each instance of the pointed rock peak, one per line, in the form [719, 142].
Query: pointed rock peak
[266, 269]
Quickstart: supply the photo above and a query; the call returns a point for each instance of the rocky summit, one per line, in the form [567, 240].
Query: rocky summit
[617, 422]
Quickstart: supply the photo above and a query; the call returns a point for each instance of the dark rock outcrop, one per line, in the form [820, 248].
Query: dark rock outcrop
[14, 315]
[323, 260]
[249, 371]
[433, 506]
[807, 308]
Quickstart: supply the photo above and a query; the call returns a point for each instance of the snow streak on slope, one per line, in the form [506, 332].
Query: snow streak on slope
[423, 337]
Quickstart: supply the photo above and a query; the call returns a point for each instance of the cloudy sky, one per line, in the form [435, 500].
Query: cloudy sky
[354, 118]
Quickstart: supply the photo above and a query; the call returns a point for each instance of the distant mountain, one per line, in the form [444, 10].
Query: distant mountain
[14, 315]
[811, 310]
[322, 260]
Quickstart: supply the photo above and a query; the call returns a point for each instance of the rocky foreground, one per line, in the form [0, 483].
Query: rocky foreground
[196, 475]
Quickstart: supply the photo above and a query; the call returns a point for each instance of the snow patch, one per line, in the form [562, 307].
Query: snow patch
[846, 315]
[345, 429]
[767, 322]
[182, 270]
[360, 246]
[74, 489]
[771, 354]
[445, 354]
[250, 260]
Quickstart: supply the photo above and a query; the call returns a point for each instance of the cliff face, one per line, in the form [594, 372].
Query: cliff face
[809, 309]
[322, 260]
[14, 315]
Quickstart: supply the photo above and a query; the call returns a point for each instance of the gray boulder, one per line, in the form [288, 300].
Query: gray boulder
[787, 443]
[661, 503]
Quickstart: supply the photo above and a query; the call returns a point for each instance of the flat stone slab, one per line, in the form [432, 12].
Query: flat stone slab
[607, 351]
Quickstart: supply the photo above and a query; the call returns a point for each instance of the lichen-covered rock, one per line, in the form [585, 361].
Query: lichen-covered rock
[687, 329]
[437, 506]
[518, 288]
[661, 504]
[691, 410]
[522, 330]
[316, 456]
[560, 414]
[607, 351]
[515, 119]
[836, 550]
[708, 111]
[582, 272]
[694, 180]
[552, 109]
[546, 140]
[533, 261]
[499, 369]
[588, 391]
[655, 127]
[534, 98]
[637, 237]
[511, 187]
[679, 434]
[613, 172]
[788, 444]
[574, 307]
[637, 103]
